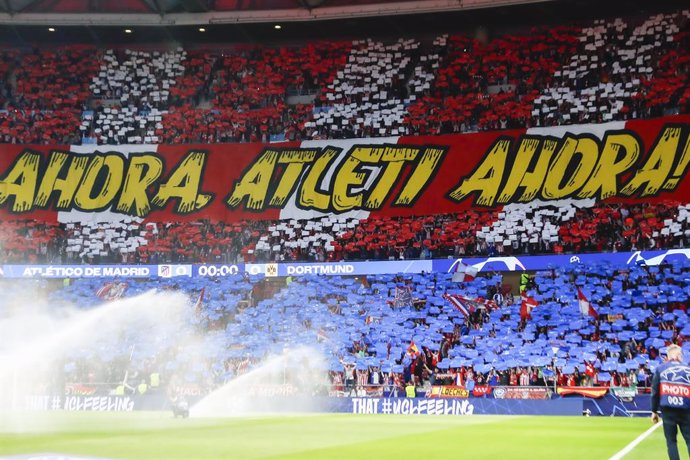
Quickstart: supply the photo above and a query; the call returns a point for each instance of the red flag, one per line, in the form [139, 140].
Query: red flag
[586, 307]
[528, 304]
[103, 291]
[464, 272]
[112, 291]
[489, 304]
[480, 302]
[459, 303]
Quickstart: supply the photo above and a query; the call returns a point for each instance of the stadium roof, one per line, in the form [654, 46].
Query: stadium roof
[46, 23]
[199, 12]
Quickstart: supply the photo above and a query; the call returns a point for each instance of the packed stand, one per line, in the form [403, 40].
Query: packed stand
[520, 229]
[49, 93]
[248, 88]
[483, 86]
[138, 83]
[8, 61]
[559, 76]
[203, 241]
[381, 332]
[133, 241]
[55, 80]
[606, 71]
[389, 329]
[613, 72]
[414, 237]
[23, 241]
[573, 226]
[568, 226]
[670, 86]
[369, 95]
[178, 340]
[135, 96]
[18, 126]
[193, 86]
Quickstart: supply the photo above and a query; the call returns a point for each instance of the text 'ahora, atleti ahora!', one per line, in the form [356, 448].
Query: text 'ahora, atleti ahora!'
[363, 176]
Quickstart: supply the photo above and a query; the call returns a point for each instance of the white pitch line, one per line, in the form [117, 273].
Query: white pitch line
[626, 450]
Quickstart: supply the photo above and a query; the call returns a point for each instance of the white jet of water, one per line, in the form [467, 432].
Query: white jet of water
[284, 384]
[39, 338]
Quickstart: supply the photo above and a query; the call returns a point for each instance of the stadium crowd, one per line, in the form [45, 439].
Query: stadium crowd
[544, 230]
[603, 71]
[378, 332]
[381, 332]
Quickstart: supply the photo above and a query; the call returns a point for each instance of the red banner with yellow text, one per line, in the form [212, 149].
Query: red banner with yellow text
[620, 161]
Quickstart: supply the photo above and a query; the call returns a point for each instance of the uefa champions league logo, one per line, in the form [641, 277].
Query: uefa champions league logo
[676, 374]
[510, 263]
[638, 258]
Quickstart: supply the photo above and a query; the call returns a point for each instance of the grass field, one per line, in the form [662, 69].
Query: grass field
[343, 436]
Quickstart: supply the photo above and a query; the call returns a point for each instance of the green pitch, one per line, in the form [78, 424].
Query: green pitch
[342, 436]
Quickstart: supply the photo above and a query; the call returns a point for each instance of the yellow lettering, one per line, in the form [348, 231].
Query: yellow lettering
[96, 192]
[143, 171]
[557, 184]
[422, 174]
[307, 195]
[254, 183]
[348, 177]
[68, 186]
[296, 161]
[394, 158]
[519, 176]
[680, 168]
[657, 167]
[605, 175]
[486, 179]
[185, 184]
[20, 182]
